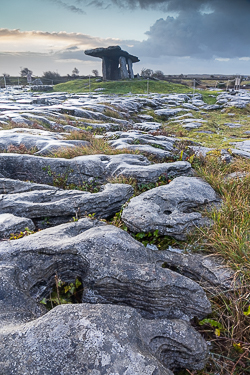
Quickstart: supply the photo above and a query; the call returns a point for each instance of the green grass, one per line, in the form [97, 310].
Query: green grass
[230, 235]
[229, 238]
[222, 136]
[122, 87]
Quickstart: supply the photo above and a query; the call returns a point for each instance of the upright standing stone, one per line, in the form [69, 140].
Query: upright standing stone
[123, 67]
[130, 69]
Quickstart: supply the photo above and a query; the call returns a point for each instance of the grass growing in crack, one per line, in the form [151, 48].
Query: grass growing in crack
[21, 149]
[140, 187]
[25, 233]
[97, 146]
[63, 293]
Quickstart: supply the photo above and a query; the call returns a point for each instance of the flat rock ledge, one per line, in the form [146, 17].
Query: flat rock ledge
[141, 327]
[80, 169]
[62, 205]
[170, 208]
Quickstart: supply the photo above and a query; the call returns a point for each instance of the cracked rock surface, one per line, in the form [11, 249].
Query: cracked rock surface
[80, 169]
[66, 203]
[100, 339]
[170, 208]
[116, 271]
[115, 268]
[44, 142]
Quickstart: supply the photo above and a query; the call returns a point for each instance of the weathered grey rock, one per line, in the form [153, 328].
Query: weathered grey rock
[242, 149]
[147, 126]
[146, 117]
[139, 137]
[123, 68]
[113, 266]
[100, 340]
[197, 102]
[201, 150]
[44, 144]
[236, 175]
[190, 106]
[209, 270]
[80, 169]
[148, 149]
[192, 125]
[233, 125]
[108, 126]
[93, 339]
[159, 146]
[130, 68]
[9, 186]
[211, 107]
[66, 203]
[170, 208]
[241, 153]
[13, 224]
[168, 112]
[151, 173]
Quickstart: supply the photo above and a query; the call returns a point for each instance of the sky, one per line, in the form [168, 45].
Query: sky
[174, 36]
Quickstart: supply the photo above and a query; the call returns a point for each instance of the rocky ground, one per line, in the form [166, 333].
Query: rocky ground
[98, 194]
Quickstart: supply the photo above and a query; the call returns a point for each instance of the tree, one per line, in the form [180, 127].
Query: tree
[53, 77]
[146, 73]
[25, 72]
[95, 72]
[75, 72]
[158, 74]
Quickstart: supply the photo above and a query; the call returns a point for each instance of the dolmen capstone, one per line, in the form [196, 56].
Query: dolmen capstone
[116, 63]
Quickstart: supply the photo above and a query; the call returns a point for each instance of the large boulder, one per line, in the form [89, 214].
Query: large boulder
[171, 209]
[114, 268]
[100, 339]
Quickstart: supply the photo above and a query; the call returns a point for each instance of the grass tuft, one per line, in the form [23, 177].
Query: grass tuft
[230, 234]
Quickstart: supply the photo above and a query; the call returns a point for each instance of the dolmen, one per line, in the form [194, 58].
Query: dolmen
[116, 63]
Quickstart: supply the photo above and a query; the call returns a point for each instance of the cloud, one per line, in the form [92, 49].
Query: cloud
[201, 29]
[68, 6]
[41, 51]
[45, 42]
[166, 5]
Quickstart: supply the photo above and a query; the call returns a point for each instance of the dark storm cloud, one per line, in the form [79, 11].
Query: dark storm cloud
[201, 29]
[68, 6]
